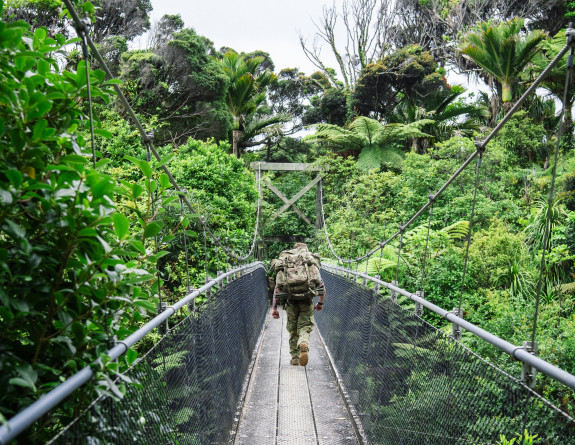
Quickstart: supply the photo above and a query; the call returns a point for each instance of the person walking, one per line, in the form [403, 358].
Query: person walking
[297, 282]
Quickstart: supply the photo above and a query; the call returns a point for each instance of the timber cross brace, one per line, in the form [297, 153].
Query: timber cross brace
[281, 166]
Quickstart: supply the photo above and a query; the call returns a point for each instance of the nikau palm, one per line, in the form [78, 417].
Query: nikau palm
[503, 51]
[246, 91]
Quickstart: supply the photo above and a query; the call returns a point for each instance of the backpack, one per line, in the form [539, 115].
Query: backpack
[297, 273]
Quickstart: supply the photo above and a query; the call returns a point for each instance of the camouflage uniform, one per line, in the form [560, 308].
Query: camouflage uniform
[299, 323]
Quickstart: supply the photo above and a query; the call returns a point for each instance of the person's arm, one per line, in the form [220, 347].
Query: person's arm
[319, 304]
[275, 313]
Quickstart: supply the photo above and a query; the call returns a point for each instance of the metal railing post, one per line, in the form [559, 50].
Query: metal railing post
[529, 372]
[418, 305]
[456, 332]
[161, 307]
[393, 292]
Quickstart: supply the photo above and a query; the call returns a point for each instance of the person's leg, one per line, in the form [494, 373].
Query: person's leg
[292, 310]
[304, 328]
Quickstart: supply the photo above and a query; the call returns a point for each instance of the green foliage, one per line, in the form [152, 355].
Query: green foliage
[405, 75]
[75, 272]
[329, 107]
[525, 439]
[180, 83]
[524, 139]
[569, 191]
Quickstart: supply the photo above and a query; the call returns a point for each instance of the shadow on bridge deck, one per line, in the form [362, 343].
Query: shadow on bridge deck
[288, 404]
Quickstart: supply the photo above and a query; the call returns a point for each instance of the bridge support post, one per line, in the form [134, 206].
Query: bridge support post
[455, 328]
[376, 286]
[528, 372]
[209, 291]
[419, 306]
[162, 305]
[393, 292]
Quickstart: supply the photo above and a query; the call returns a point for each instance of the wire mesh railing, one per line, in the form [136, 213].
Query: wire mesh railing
[187, 387]
[412, 384]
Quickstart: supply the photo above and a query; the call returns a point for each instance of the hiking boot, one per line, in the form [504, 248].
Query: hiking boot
[294, 361]
[303, 349]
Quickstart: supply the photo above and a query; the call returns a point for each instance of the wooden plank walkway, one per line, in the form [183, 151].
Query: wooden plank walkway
[288, 404]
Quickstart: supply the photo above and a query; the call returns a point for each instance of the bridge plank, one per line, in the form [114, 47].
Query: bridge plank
[288, 404]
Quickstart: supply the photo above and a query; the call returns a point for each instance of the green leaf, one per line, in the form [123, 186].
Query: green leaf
[43, 67]
[15, 178]
[38, 130]
[137, 190]
[113, 82]
[166, 159]
[138, 245]
[145, 304]
[165, 181]
[81, 74]
[121, 225]
[146, 169]
[27, 377]
[22, 382]
[152, 229]
[88, 232]
[103, 162]
[131, 356]
[103, 133]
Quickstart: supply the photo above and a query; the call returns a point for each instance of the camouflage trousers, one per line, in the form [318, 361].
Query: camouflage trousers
[299, 323]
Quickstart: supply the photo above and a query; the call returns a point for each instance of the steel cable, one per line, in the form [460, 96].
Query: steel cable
[568, 75]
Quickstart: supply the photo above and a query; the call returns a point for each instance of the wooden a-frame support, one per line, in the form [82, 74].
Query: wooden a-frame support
[281, 166]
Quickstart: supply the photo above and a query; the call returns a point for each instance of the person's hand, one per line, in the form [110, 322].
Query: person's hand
[318, 307]
[275, 313]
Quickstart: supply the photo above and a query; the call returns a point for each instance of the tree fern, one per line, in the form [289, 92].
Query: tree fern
[375, 157]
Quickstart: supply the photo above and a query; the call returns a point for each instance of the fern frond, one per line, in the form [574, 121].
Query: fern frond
[457, 230]
[568, 288]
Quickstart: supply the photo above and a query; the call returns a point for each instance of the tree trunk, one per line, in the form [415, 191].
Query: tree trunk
[236, 134]
[494, 108]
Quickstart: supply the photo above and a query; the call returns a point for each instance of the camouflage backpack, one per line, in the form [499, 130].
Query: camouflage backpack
[297, 273]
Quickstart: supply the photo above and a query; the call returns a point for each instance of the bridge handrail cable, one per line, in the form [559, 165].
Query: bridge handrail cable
[42, 406]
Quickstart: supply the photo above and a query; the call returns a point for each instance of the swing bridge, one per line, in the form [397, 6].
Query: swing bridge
[219, 372]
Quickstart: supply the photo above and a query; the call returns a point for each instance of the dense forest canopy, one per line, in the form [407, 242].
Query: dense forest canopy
[86, 252]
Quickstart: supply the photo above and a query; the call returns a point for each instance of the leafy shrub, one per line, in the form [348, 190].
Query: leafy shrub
[75, 271]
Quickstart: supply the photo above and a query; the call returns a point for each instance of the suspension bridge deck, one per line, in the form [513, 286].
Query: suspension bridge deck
[288, 404]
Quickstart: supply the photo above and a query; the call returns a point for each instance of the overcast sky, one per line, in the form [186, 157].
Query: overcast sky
[268, 25]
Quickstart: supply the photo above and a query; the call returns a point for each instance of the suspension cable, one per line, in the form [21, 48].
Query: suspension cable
[402, 230]
[188, 289]
[480, 149]
[471, 220]
[571, 45]
[102, 63]
[426, 243]
[82, 30]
